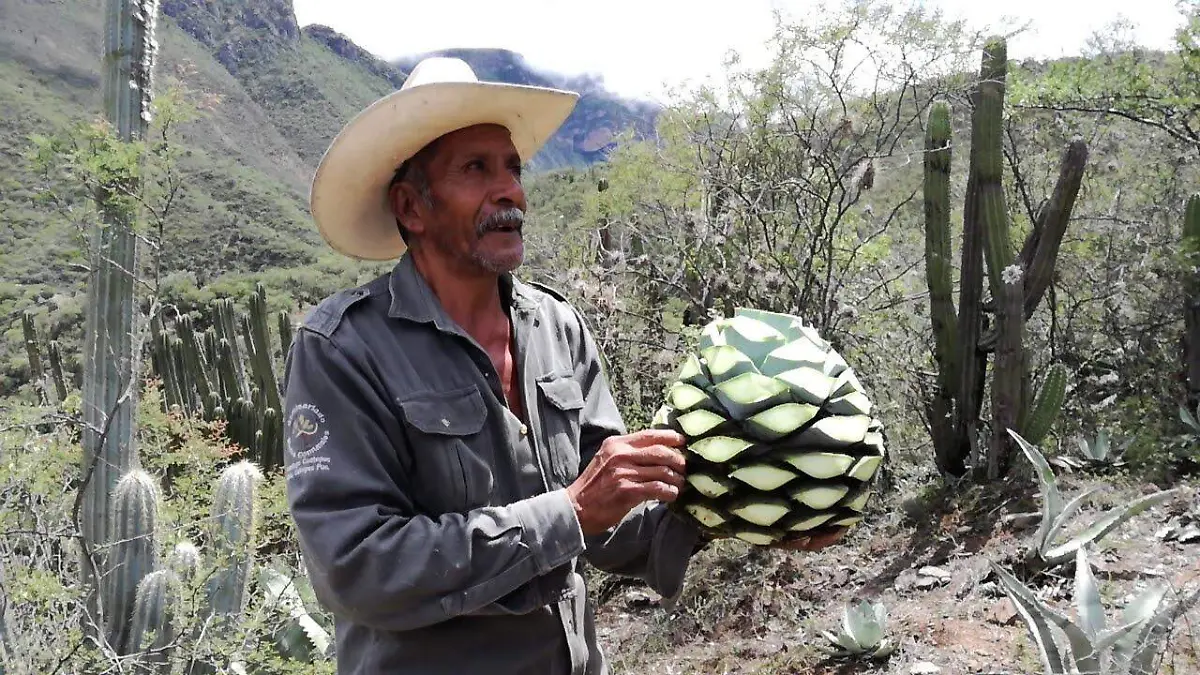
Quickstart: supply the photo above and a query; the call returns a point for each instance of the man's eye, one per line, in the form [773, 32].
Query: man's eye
[475, 164]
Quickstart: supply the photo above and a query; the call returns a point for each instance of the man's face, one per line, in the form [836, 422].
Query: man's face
[473, 222]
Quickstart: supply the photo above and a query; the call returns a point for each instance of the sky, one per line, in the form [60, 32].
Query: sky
[670, 42]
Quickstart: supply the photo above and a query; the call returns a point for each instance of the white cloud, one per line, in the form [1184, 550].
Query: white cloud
[638, 45]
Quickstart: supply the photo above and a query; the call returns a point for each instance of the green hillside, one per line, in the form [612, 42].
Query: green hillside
[263, 99]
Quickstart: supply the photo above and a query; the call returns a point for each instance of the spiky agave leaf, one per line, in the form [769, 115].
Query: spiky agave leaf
[300, 637]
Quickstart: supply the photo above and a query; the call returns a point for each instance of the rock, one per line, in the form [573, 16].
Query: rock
[936, 572]
[1002, 612]
[638, 599]
[929, 576]
[924, 668]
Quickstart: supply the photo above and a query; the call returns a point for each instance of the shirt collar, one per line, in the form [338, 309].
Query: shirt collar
[414, 300]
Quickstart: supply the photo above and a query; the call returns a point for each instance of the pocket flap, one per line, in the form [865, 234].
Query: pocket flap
[460, 412]
[562, 392]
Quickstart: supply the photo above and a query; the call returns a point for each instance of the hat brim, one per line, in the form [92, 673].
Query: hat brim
[349, 199]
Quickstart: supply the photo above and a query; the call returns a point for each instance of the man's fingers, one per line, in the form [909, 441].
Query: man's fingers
[659, 455]
[648, 437]
[662, 474]
[659, 491]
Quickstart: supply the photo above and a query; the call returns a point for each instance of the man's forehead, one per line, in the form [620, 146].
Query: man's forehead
[480, 137]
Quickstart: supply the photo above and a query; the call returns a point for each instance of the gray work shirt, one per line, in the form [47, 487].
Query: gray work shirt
[433, 522]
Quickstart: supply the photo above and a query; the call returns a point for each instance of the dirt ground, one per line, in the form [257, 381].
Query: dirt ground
[750, 610]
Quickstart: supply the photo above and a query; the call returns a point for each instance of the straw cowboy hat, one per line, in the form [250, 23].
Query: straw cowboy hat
[349, 198]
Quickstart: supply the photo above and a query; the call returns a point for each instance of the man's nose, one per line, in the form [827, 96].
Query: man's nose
[508, 189]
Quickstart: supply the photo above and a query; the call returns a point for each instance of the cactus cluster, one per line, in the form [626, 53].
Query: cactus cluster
[1016, 283]
[144, 594]
[227, 372]
[138, 596]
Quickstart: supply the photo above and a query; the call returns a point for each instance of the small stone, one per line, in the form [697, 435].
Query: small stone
[1002, 612]
[935, 572]
[924, 668]
[637, 599]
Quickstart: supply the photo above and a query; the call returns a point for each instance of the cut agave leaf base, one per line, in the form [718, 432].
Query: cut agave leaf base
[781, 439]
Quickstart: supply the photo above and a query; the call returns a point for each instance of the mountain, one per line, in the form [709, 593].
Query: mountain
[598, 119]
[269, 96]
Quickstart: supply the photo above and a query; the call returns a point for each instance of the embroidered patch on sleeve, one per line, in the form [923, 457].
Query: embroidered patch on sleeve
[307, 434]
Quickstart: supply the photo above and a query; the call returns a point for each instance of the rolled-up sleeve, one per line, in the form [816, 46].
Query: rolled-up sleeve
[651, 543]
[371, 556]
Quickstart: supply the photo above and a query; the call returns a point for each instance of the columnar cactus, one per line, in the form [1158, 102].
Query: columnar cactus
[232, 535]
[56, 370]
[184, 560]
[1039, 417]
[153, 613]
[285, 331]
[1016, 283]
[205, 373]
[1191, 313]
[31, 350]
[135, 516]
[109, 364]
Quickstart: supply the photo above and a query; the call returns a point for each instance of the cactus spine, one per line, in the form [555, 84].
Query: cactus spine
[1017, 284]
[135, 516]
[109, 365]
[1191, 310]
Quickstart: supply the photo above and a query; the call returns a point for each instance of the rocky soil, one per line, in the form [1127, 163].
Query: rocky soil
[748, 610]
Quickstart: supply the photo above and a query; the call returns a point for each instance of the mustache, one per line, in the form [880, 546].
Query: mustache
[510, 217]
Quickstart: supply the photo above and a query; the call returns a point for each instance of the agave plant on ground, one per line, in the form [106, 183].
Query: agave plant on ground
[1095, 645]
[1093, 454]
[1047, 551]
[780, 437]
[863, 633]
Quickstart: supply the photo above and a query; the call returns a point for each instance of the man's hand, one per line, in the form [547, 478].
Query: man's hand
[819, 539]
[626, 471]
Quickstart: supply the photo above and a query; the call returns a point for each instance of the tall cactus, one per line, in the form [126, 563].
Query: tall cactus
[285, 331]
[1017, 284]
[938, 269]
[109, 365]
[33, 354]
[232, 534]
[56, 370]
[135, 516]
[1191, 313]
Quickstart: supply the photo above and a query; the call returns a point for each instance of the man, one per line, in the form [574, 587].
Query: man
[453, 448]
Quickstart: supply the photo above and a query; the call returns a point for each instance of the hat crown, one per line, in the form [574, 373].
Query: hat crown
[439, 69]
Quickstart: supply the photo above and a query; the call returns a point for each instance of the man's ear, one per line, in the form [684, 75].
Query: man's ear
[408, 207]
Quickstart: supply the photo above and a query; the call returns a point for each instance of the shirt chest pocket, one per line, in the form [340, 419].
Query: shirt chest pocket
[560, 402]
[450, 450]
